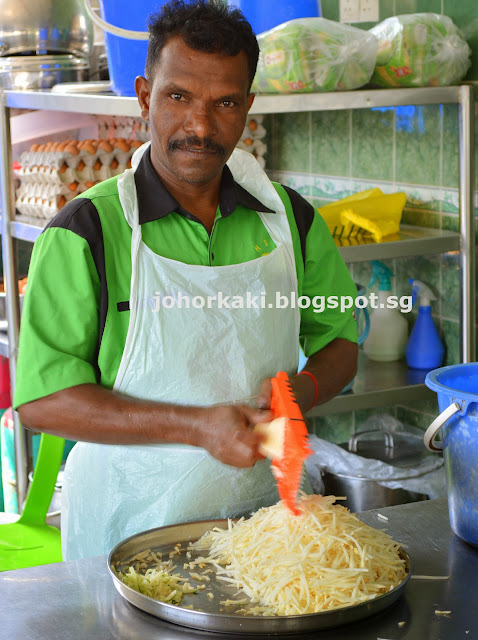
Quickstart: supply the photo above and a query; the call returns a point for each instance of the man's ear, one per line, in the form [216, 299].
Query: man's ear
[250, 100]
[143, 91]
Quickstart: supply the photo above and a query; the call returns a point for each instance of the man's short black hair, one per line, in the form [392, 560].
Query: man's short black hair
[212, 27]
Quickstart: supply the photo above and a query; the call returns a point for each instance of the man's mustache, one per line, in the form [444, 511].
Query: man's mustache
[197, 143]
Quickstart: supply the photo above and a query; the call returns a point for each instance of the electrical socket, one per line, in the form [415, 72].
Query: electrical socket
[369, 11]
[349, 10]
[359, 11]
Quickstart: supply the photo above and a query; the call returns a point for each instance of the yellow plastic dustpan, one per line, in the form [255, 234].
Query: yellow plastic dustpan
[30, 541]
[373, 211]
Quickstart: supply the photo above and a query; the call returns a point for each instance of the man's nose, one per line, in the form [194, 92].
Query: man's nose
[200, 121]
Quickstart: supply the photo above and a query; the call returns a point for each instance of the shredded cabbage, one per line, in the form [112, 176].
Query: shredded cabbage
[323, 559]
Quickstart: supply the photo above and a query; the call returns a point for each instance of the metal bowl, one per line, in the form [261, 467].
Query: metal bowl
[208, 614]
[40, 72]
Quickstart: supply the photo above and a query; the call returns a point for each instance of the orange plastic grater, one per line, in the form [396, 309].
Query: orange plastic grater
[288, 468]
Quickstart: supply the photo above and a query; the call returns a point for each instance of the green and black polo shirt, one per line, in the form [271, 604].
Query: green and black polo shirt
[76, 312]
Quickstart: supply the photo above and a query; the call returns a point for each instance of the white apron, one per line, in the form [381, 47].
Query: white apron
[188, 356]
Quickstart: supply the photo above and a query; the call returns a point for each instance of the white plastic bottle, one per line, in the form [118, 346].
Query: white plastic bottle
[388, 334]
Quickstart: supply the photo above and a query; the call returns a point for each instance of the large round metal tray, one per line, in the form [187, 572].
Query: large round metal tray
[210, 615]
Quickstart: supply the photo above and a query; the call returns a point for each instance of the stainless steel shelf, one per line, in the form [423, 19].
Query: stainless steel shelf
[409, 241]
[4, 351]
[106, 104]
[110, 104]
[378, 384]
[360, 99]
[24, 228]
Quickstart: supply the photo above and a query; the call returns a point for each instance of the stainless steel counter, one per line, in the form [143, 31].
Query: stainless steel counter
[77, 600]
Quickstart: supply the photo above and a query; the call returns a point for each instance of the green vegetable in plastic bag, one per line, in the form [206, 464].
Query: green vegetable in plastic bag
[314, 54]
[418, 50]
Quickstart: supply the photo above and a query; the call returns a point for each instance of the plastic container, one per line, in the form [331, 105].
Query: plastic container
[267, 14]
[388, 334]
[425, 349]
[125, 26]
[457, 390]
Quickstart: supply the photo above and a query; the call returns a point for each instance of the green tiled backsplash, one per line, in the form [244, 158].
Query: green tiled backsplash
[329, 155]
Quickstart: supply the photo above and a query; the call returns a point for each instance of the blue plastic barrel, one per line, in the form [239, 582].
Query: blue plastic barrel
[126, 56]
[265, 14]
[457, 390]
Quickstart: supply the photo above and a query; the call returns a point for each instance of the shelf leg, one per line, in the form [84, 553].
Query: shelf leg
[466, 109]
[7, 204]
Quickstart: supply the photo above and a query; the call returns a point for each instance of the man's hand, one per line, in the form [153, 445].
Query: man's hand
[228, 434]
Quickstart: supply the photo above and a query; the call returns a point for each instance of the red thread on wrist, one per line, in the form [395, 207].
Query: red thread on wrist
[316, 385]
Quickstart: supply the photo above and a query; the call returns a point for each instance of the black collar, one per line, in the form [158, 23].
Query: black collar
[155, 201]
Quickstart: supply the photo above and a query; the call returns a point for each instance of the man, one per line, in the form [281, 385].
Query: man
[162, 398]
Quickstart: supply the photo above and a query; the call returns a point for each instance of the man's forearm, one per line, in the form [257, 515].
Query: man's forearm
[91, 413]
[333, 367]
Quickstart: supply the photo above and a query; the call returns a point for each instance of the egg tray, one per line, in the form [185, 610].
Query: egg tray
[252, 139]
[52, 174]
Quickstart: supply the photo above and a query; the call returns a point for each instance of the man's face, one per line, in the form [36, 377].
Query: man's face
[196, 105]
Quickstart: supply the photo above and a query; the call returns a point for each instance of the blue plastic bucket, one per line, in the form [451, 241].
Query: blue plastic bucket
[125, 25]
[457, 390]
[265, 14]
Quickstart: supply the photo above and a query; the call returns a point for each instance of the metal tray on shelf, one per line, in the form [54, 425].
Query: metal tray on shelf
[210, 615]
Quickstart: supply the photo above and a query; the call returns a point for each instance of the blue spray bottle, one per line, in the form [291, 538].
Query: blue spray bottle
[425, 349]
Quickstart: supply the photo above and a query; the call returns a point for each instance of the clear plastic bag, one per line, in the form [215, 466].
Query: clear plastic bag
[428, 476]
[314, 54]
[418, 50]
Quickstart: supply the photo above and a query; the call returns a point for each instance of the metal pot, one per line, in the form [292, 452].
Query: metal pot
[45, 26]
[40, 72]
[400, 449]
[364, 494]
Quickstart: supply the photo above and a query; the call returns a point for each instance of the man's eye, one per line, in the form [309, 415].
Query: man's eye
[227, 104]
[176, 96]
